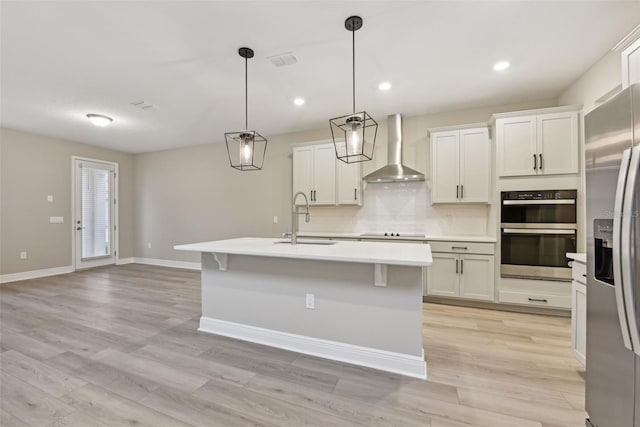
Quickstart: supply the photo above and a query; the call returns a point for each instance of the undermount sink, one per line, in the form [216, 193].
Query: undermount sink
[309, 242]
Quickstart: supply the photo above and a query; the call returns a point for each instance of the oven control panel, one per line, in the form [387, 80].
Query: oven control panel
[540, 195]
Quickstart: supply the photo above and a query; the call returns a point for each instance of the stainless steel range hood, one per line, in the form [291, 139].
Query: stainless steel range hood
[394, 171]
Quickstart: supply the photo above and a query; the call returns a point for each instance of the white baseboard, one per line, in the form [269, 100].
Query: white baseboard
[399, 363]
[123, 261]
[168, 263]
[34, 274]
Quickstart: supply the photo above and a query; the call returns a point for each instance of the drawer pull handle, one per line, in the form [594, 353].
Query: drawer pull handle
[464, 248]
[537, 300]
[584, 275]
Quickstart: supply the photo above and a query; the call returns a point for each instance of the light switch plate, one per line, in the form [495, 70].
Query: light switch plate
[56, 219]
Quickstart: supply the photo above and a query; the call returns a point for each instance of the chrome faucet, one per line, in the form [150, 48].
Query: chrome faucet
[294, 216]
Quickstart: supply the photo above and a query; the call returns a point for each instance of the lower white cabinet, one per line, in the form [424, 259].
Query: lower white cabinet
[579, 312]
[461, 275]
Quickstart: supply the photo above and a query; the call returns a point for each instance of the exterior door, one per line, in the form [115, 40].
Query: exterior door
[94, 213]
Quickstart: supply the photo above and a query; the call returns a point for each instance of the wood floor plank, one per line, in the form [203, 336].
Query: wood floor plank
[119, 345]
[29, 404]
[38, 374]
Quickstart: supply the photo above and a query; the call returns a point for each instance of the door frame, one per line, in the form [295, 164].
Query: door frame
[116, 218]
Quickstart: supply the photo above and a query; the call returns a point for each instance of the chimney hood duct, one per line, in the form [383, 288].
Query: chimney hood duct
[395, 171]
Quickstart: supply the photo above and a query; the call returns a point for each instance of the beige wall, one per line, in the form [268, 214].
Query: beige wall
[192, 194]
[32, 167]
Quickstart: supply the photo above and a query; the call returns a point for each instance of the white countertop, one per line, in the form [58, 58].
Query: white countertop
[324, 234]
[393, 253]
[580, 257]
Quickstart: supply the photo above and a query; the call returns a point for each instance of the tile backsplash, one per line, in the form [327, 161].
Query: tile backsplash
[400, 207]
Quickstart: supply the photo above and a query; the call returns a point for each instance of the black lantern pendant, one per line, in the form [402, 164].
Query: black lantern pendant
[354, 135]
[246, 148]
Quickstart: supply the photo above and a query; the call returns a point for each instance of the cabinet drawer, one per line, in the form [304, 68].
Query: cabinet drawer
[579, 272]
[463, 247]
[534, 299]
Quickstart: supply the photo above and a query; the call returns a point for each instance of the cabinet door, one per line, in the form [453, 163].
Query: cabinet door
[303, 170]
[324, 174]
[579, 321]
[476, 277]
[475, 165]
[631, 65]
[445, 175]
[442, 275]
[348, 185]
[516, 146]
[558, 143]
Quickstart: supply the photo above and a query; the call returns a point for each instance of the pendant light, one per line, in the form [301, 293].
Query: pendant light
[246, 148]
[354, 135]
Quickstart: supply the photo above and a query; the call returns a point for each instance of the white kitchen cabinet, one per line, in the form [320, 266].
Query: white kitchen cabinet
[476, 277]
[579, 311]
[460, 165]
[539, 142]
[459, 274]
[631, 64]
[314, 173]
[442, 276]
[348, 183]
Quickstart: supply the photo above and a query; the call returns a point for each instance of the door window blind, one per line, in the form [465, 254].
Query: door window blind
[96, 212]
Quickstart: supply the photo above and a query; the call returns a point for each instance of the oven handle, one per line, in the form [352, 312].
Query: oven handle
[619, 286]
[540, 202]
[535, 231]
[626, 241]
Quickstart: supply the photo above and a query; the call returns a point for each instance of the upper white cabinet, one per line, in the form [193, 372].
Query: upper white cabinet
[539, 142]
[631, 64]
[323, 178]
[629, 48]
[460, 165]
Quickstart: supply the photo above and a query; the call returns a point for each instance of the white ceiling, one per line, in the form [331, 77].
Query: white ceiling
[62, 60]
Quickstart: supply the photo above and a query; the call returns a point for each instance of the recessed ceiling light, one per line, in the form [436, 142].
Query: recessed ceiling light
[298, 101]
[99, 120]
[501, 66]
[384, 86]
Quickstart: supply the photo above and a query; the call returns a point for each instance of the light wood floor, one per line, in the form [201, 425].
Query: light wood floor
[118, 346]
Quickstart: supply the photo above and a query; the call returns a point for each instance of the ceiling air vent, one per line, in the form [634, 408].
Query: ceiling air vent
[283, 59]
[144, 105]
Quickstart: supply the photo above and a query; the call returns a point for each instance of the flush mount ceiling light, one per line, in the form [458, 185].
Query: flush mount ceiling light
[384, 86]
[354, 135]
[501, 66]
[246, 148]
[298, 101]
[99, 120]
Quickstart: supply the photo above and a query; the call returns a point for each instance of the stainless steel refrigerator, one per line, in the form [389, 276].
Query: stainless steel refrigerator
[612, 163]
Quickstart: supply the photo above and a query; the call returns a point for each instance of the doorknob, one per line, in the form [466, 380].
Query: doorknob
[79, 228]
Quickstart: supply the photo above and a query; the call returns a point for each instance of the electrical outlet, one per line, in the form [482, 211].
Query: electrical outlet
[275, 219]
[149, 245]
[23, 255]
[311, 302]
[49, 198]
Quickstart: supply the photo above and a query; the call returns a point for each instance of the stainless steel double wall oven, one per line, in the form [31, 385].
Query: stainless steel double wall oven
[538, 228]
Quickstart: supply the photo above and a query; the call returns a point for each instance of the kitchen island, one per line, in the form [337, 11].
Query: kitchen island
[355, 302]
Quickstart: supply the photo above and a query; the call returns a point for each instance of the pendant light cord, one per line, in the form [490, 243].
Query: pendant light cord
[353, 54]
[246, 96]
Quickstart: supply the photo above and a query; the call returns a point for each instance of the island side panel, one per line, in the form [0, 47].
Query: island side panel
[271, 292]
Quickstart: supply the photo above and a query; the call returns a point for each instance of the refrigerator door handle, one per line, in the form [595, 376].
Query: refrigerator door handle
[626, 236]
[617, 265]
